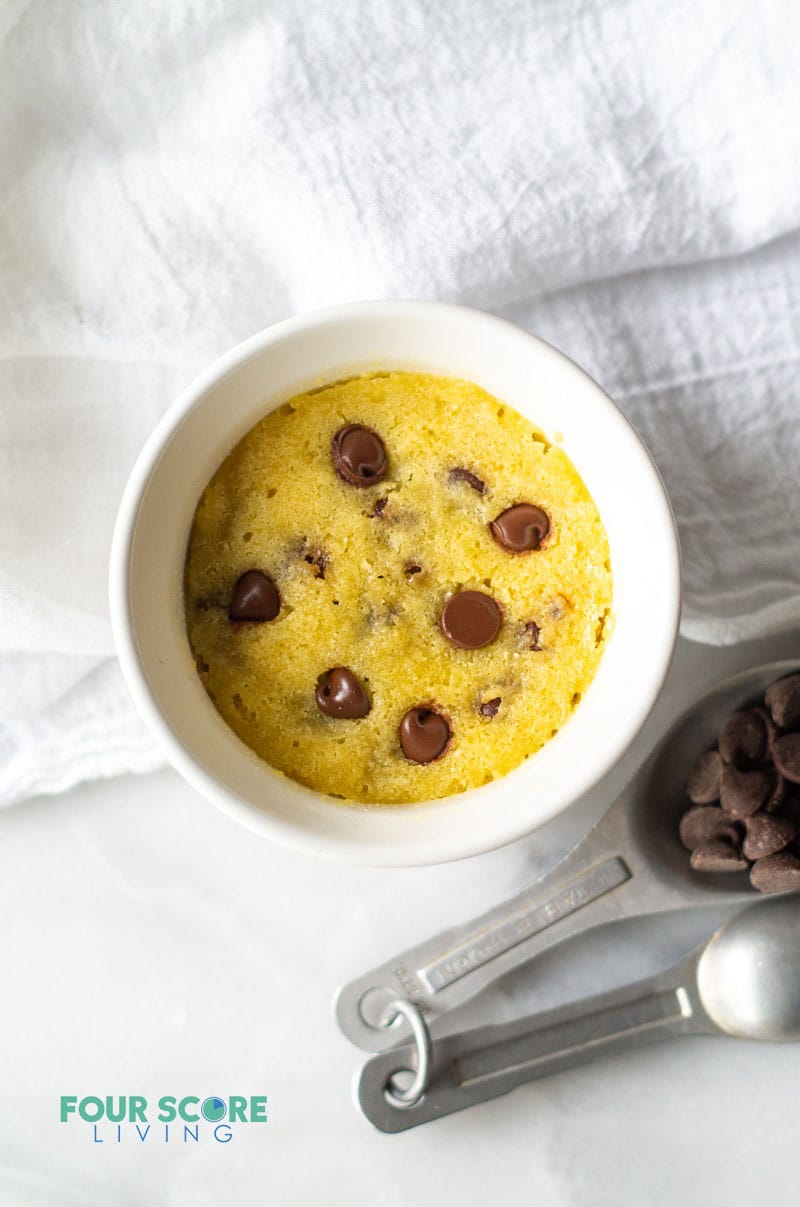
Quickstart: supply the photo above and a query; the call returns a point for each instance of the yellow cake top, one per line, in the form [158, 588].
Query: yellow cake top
[367, 577]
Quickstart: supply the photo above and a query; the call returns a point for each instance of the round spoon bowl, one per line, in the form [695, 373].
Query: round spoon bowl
[748, 976]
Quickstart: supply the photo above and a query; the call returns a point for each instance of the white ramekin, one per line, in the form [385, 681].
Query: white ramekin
[195, 435]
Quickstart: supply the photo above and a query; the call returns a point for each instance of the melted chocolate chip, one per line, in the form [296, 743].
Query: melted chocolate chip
[411, 569]
[532, 634]
[359, 455]
[521, 528]
[340, 694]
[459, 474]
[490, 708]
[255, 597]
[471, 620]
[379, 508]
[319, 561]
[424, 735]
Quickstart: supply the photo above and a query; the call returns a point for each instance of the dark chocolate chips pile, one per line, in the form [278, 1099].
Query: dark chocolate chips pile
[469, 620]
[745, 808]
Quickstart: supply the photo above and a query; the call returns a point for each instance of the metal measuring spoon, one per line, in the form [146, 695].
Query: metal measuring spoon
[631, 864]
[745, 982]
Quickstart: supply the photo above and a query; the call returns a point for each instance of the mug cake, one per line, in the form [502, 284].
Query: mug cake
[396, 588]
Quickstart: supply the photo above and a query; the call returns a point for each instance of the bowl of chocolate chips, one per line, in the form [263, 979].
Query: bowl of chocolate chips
[394, 583]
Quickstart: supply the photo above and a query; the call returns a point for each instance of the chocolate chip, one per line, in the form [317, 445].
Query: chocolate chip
[532, 633]
[340, 694]
[744, 792]
[786, 753]
[779, 795]
[424, 735]
[783, 701]
[743, 740]
[471, 620]
[779, 873]
[772, 731]
[319, 561]
[521, 528]
[705, 778]
[707, 823]
[359, 455]
[255, 597]
[765, 835]
[490, 708]
[411, 569]
[717, 857]
[379, 508]
[459, 474]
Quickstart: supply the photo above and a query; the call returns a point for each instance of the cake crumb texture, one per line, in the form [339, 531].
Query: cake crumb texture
[364, 572]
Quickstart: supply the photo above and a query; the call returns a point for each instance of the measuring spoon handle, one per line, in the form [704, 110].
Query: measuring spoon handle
[603, 879]
[484, 1063]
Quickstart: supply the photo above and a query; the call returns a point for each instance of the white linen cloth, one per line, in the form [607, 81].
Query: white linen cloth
[620, 177]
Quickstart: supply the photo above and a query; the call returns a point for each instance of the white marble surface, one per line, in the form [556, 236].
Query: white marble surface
[151, 946]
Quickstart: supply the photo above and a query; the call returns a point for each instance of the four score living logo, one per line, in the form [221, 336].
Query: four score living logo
[116, 1119]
